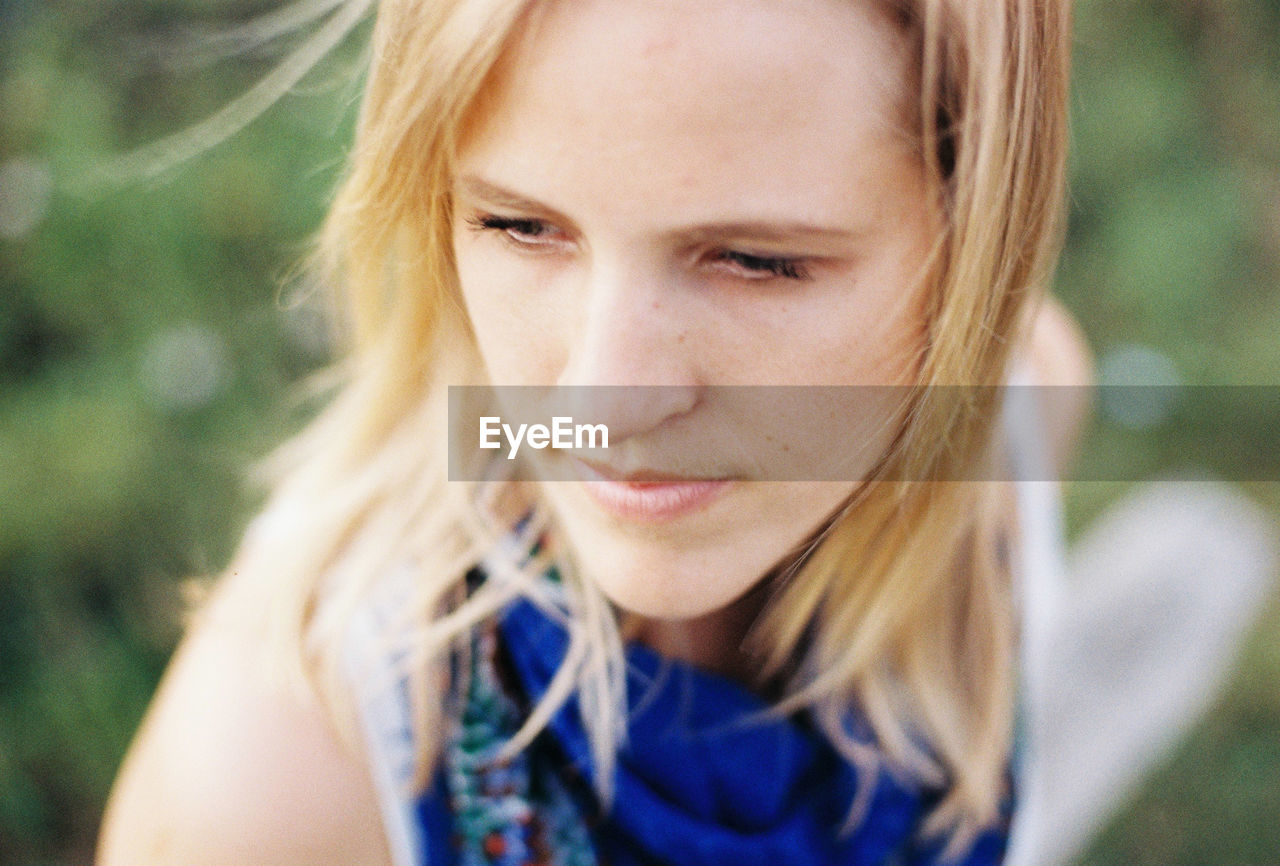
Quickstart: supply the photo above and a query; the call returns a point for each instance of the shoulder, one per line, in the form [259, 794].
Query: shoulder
[1059, 359]
[233, 766]
[1057, 347]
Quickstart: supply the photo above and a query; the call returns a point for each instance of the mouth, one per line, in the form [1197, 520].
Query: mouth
[648, 496]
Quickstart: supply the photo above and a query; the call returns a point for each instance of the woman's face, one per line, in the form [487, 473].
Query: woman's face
[690, 193]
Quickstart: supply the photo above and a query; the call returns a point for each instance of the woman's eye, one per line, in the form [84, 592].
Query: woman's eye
[762, 267]
[521, 231]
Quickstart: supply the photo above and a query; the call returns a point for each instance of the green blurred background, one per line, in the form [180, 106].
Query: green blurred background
[151, 349]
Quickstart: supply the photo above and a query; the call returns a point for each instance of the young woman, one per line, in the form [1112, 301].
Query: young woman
[643, 665]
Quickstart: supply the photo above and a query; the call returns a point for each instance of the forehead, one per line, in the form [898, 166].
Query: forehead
[763, 95]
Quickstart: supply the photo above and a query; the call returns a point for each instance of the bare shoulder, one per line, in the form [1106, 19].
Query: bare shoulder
[1059, 357]
[231, 766]
[1058, 350]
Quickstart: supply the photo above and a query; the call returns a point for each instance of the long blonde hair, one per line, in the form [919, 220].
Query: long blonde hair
[902, 606]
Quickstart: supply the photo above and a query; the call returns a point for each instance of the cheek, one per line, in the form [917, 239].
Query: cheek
[517, 332]
[869, 332]
[886, 341]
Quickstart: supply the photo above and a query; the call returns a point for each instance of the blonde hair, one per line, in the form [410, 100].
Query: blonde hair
[902, 607]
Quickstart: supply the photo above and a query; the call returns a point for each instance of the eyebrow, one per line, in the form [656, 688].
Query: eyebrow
[501, 196]
[765, 231]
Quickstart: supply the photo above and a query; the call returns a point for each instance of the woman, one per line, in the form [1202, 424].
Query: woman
[666, 197]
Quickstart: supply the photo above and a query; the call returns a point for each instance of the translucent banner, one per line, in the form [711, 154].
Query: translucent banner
[852, 433]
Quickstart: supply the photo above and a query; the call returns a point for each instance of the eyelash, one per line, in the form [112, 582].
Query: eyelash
[525, 232]
[766, 266]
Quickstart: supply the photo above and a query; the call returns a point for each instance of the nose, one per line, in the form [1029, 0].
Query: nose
[631, 362]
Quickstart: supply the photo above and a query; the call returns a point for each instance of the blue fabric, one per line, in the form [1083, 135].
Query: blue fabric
[436, 823]
[705, 779]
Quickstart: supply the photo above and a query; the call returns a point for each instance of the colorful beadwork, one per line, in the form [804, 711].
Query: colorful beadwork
[506, 812]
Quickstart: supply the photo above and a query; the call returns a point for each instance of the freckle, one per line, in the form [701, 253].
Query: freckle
[680, 339]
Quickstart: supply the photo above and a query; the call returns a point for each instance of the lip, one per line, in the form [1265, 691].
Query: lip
[648, 497]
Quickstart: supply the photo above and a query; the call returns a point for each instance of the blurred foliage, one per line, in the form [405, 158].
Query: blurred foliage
[150, 345]
[1174, 245]
[146, 351]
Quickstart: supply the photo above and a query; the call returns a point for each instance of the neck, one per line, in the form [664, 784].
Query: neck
[713, 642]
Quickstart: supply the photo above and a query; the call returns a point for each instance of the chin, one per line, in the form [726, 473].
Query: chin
[667, 587]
